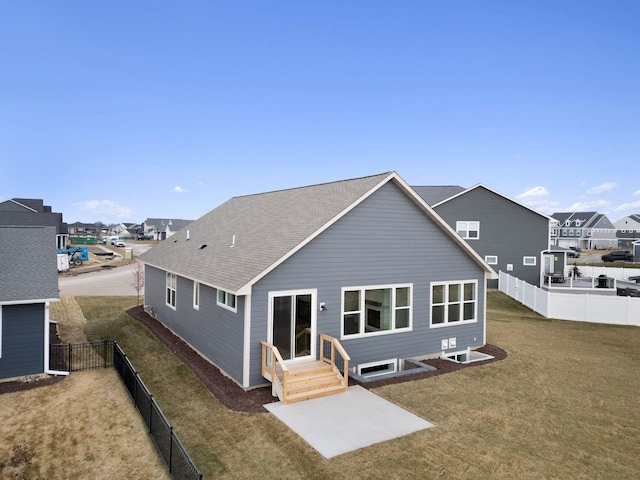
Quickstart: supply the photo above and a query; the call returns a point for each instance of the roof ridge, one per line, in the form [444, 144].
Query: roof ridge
[334, 182]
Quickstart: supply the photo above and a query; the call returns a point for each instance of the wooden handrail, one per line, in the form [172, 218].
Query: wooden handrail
[275, 360]
[335, 347]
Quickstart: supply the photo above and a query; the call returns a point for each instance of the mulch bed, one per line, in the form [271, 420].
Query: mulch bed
[235, 398]
[229, 393]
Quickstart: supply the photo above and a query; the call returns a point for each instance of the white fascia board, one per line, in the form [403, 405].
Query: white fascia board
[480, 185]
[246, 289]
[29, 302]
[438, 220]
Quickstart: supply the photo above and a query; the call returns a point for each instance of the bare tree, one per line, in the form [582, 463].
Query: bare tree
[137, 280]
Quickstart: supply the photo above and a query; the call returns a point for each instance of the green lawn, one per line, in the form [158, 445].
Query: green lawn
[564, 404]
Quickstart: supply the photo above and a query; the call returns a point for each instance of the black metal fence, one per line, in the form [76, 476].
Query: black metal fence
[107, 353]
[76, 357]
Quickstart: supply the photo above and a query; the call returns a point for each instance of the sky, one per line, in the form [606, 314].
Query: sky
[120, 111]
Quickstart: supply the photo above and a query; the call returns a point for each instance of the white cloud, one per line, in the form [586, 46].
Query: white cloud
[535, 192]
[179, 189]
[589, 206]
[636, 193]
[104, 207]
[631, 206]
[605, 187]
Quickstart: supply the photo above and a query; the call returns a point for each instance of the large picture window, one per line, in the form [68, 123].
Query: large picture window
[468, 230]
[376, 310]
[227, 300]
[172, 281]
[453, 303]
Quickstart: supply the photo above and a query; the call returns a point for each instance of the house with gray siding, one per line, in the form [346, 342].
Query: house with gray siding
[588, 230]
[365, 261]
[508, 235]
[28, 284]
[33, 212]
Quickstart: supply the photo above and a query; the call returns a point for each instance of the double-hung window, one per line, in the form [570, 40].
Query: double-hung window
[171, 283]
[227, 300]
[376, 310]
[468, 230]
[454, 303]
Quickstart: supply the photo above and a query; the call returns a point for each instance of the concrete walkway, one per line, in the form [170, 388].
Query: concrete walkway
[347, 421]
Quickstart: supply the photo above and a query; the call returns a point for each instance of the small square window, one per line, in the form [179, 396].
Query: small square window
[491, 259]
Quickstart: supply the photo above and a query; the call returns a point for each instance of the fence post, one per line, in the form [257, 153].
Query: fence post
[70, 357]
[170, 449]
[104, 353]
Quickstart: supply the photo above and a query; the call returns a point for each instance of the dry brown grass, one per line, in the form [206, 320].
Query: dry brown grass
[83, 427]
[564, 404]
[71, 321]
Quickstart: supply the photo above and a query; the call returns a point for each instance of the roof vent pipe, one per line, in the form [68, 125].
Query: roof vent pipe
[187, 234]
[233, 241]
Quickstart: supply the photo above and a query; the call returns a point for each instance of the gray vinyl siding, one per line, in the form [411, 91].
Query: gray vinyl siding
[386, 239]
[215, 332]
[23, 336]
[507, 230]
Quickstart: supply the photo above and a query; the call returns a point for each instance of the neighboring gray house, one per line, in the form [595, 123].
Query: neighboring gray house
[587, 230]
[365, 261]
[28, 283]
[33, 212]
[508, 235]
[163, 228]
[628, 230]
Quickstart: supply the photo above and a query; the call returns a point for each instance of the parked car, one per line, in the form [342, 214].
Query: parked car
[573, 254]
[144, 237]
[118, 243]
[635, 279]
[618, 256]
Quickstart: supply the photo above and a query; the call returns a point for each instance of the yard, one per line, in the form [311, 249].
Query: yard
[563, 404]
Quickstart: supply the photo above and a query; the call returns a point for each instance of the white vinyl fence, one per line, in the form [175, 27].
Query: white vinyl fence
[611, 309]
[619, 273]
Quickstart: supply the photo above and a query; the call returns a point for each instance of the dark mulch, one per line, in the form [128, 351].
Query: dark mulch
[230, 393]
[235, 398]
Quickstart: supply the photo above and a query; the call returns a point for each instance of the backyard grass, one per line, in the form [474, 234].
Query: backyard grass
[563, 404]
[83, 427]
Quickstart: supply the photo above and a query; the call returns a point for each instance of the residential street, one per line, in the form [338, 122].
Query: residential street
[108, 282]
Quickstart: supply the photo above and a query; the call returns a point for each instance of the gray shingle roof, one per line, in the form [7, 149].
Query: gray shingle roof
[28, 264]
[245, 237]
[265, 227]
[437, 193]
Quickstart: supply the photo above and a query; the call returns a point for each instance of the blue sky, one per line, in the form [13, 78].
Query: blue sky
[118, 111]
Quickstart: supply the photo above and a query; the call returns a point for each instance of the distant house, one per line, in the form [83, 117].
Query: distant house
[587, 230]
[126, 230]
[28, 283]
[163, 228]
[79, 229]
[365, 261]
[33, 212]
[507, 234]
[628, 230]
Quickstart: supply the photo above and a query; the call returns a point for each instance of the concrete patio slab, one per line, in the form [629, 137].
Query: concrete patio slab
[347, 421]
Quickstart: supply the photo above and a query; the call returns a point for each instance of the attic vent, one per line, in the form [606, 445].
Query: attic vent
[203, 246]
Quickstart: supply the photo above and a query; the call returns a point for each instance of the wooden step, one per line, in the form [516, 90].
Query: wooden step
[321, 392]
[316, 384]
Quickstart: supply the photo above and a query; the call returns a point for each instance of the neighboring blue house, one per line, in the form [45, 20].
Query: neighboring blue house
[28, 283]
[365, 261]
[507, 234]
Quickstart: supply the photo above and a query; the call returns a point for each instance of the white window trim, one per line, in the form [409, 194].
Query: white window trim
[532, 261]
[461, 321]
[196, 295]
[392, 330]
[173, 288]
[226, 297]
[488, 259]
[466, 224]
[391, 361]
